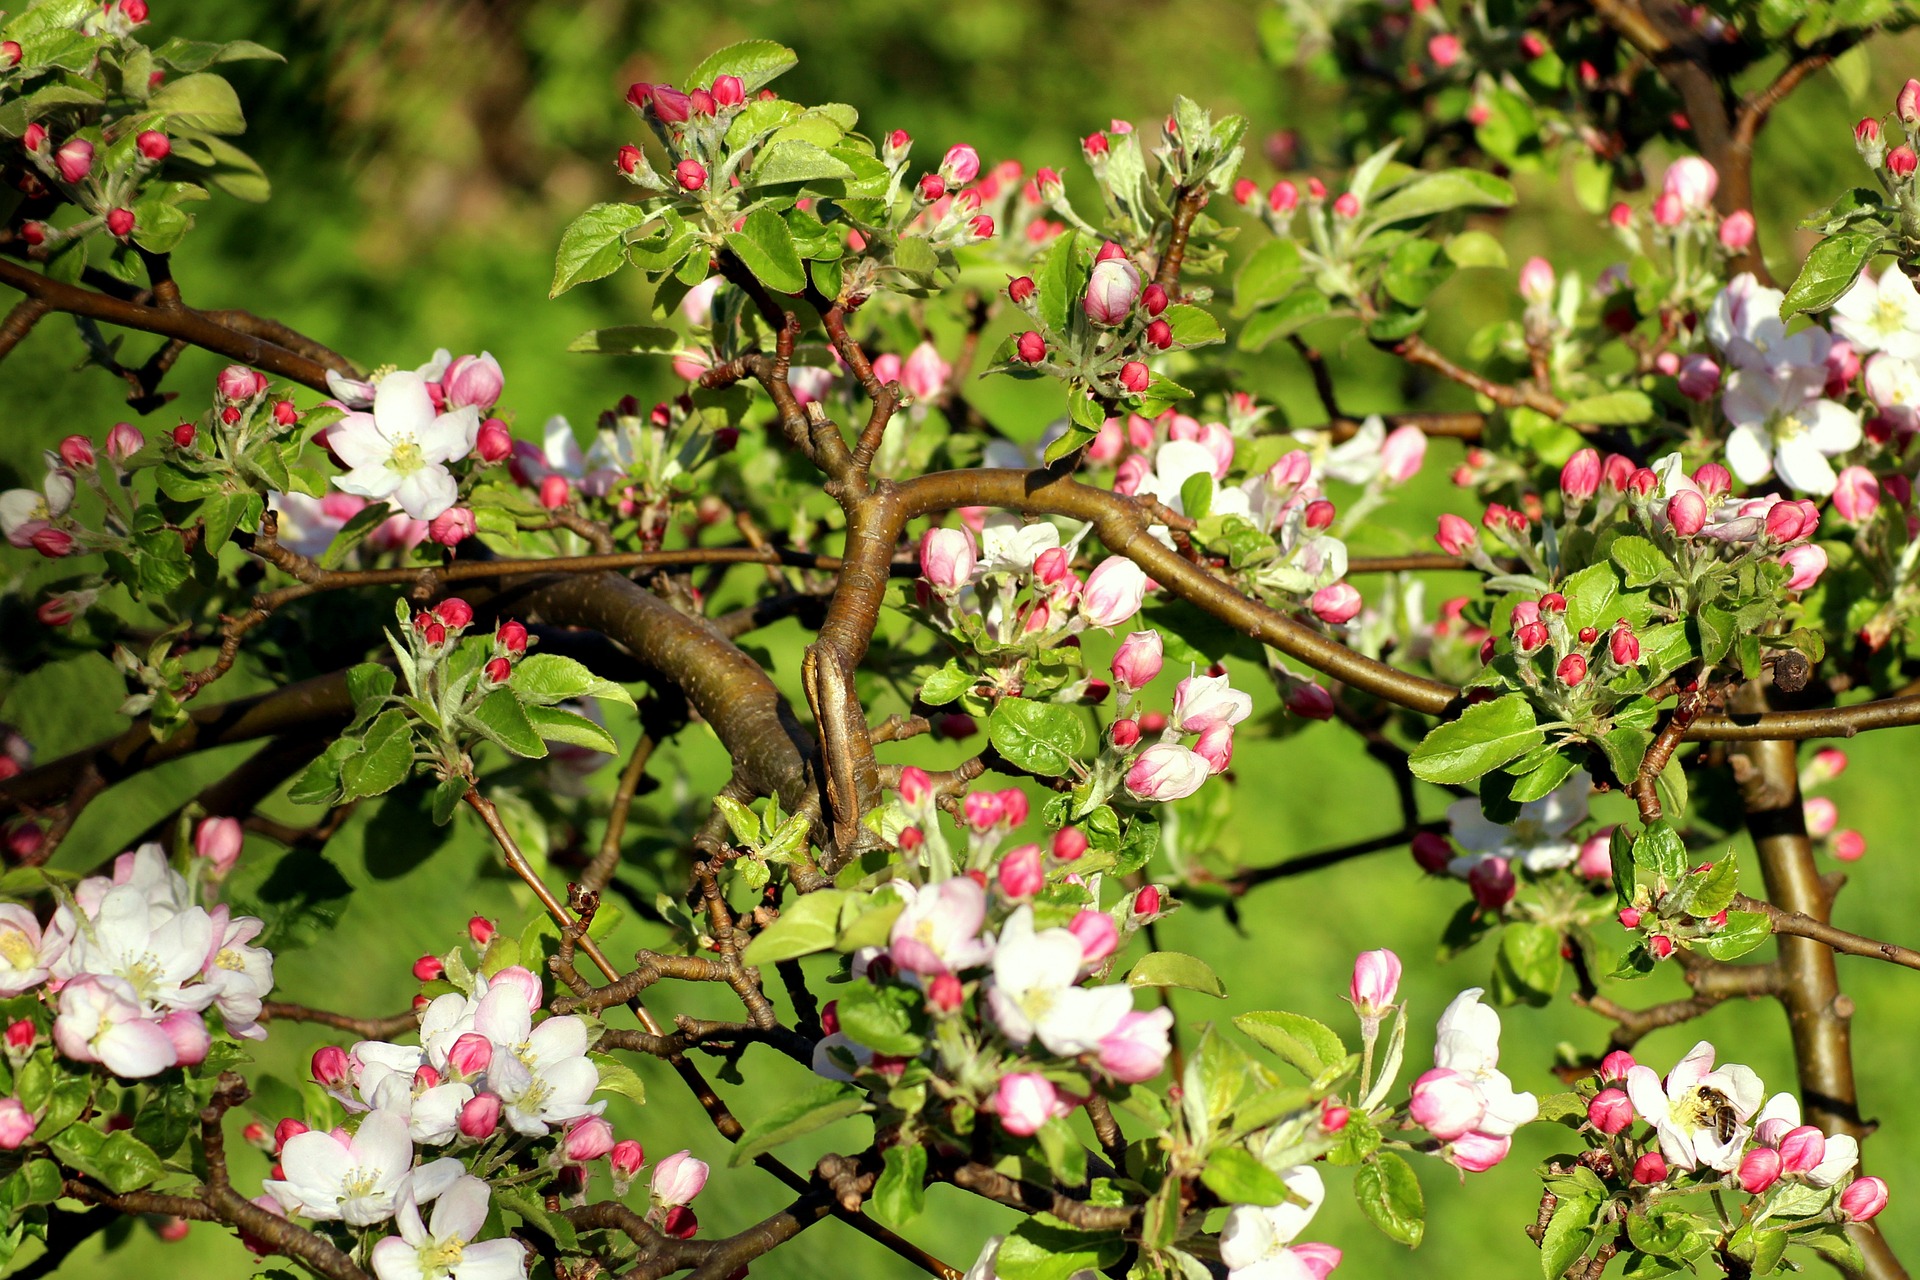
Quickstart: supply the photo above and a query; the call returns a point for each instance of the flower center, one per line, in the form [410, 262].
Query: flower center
[230, 959]
[16, 949]
[406, 457]
[442, 1255]
[143, 975]
[1529, 831]
[359, 1184]
[1705, 1108]
[1889, 316]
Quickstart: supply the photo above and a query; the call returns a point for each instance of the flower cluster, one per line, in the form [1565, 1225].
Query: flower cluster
[404, 427]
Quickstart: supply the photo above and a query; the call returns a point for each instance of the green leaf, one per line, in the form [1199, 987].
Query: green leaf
[1196, 495]
[1059, 282]
[1294, 312]
[198, 55]
[1039, 1249]
[546, 678]
[1537, 783]
[384, 760]
[1268, 276]
[1042, 737]
[1744, 931]
[533, 1210]
[1641, 561]
[1592, 596]
[809, 923]
[1530, 960]
[765, 246]
[1439, 192]
[1311, 1046]
[203, 102]
[815, 1109]
[593, 245]
[1661, 852]
[617, 1077]
[1614, 409]
[1485, 737]
[1568, 1237]
[1193, 326]
[795, 160]
[755, 61]
[1237, 1178]
[556, 725]
[1389, 1194]
[501, 720]
[626, 340]
[901, 1192]
[882, 1018]
[119, 1160]
[1175, 969]
[1476, 249]
[1829, 271]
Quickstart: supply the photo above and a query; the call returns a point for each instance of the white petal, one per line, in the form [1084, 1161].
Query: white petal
[461, 1210]
[426, 492]
[1833, 428]
[1749, 455]
[377, 483]
[492, 1260]
[1803, 467]
[557, 1038]
[401, 406]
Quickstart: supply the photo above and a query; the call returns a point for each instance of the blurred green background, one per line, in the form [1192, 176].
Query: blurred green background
[425, 157]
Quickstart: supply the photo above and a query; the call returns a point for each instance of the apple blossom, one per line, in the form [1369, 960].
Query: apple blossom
[74, 160]
[400, 450]
[1256, 1242]
[1686, 1111]
[1205, 702]
[939, 931]
[1376, 979]
[1610, 1111]
[1112, 291]
[1446, 1103]
[1113, 592]
[1477, 1152]
[1336, 604]
[444, 1247]
[24, 956]
[1456, 537]
[1035, 992]
[16, 1124]
[947, 559]
[1881, 315]
[1864, 1198]
[1139, 660]
[1167, 771]
[1021, 873]
[218, 840]
[1468, 1042]
[678, 1179]
[1807, 563]
[100, 1020]
[1540, 838]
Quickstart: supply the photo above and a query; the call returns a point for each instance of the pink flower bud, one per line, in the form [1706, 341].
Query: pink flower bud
[124, 441]
[1687, 513]
[1668, 211]
[331, 1067]
[1432, 851]
[1139, 659]
[947, 559]
[1021, 873]
[452, 527]
[945, 993]
[74, 159]
[1347, 205]
[1849, 846]
[494, 442]
[240, 384]
[1099, 936]
[1650, 1168]
[1154, 299]
[1376, 980]
[690, 174]
[1759, 1169]
[1856, 495]
[1134, 376]
[1492, 883]
[428, 968]
[554, 492]
[1477, 1152]
[1736, 231]
[1552, 602]
[1822, 816]
[153, 144]
[1580, 477]
[218, 840]
[1456, 536]
[1906, 104]
[671, 105]
[21, 1036]
[1444, 49]
[11, 53]
[1284, 197]
[961, 165]
[1113, 592]
[481, 930]
[1699, 378]
[1807, 562]
[1447, 1104]
[1866, 134]
[77, 452]
[1828, 763]
[981, 227]
[499, 670]
[1529, 636]
[1336, 604]
[678, 1179]
[480, 1117]
[1020, 289]
[1031, 348]
[1013, 804]
[1536, 282]
[1216, 747]
[628, 1156]
[1069, 843]
[729, 92]
[932, 187]
[1310, 701]
[1630, 917]
[628, 159]
[470, 1054]
[1402, 453]
[1616, 1065]
[473, 380]
[1572, 669]
[1901, 162]
[35, 136]
[1611, 1111]
[1124, 733]
[1112, 291]
[1159, 335]
[1167, 771]
[1624, 646]
[587, 1139]
[1692, 181]
[1863, 1198]
[1802, 1149]
[1660, 945]
[984, 810]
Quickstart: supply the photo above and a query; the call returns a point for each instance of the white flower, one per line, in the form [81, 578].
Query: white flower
[24, 954]
[1467, 1040]
[447, 1248]
[308, 525]
[939, 932]
[1255, 1240]
[157, 952]
[1359, 459]
[357, 1180]
[401, 449]
[1036, 992]
[100, 1021]
[1701, 1114]
[542, 1074]
[1539, 838]
[1893, 384]
[1781, 1116]
[240, 976]
[1883, 316]
[1744, 322]
[1178, 461]
[25, 512]
[1782, 422]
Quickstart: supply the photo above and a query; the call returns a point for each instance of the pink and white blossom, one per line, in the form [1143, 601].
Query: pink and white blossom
[1036, 993]
[1167, 771]
[444, 1247]
[1685, 1109]
[100, 1020]
[1540, 839]
[400, 450]
[939, 932]
[1881, 315]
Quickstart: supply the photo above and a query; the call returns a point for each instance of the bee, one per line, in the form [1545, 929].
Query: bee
[1717, 1113]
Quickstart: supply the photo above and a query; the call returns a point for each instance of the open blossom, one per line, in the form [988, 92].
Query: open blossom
[1692, 1108]
[1468, 1042]
[24, 958]
[939, 932]
[444, 1246]
[1881, 315]
[26, 512]
[1205, 702]
[1540, 838]
[1036, 992]
[100, 1021]
[359, 1179]
[400, 450]
[1257, 1242]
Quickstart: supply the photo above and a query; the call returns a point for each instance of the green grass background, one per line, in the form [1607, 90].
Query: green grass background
[425, 158]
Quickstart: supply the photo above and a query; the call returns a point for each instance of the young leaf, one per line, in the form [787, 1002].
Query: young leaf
[1389, 1194]
[501, 720]
[546, 678]
[755, 61]
[1044, 737]
[901, 1192]
[1176, 969]
[593, 245]
[1485, 737]
[1311, 1046]
[810, 923]
[766, 247]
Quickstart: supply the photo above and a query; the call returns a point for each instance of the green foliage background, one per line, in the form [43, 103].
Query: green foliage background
[425, 157]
